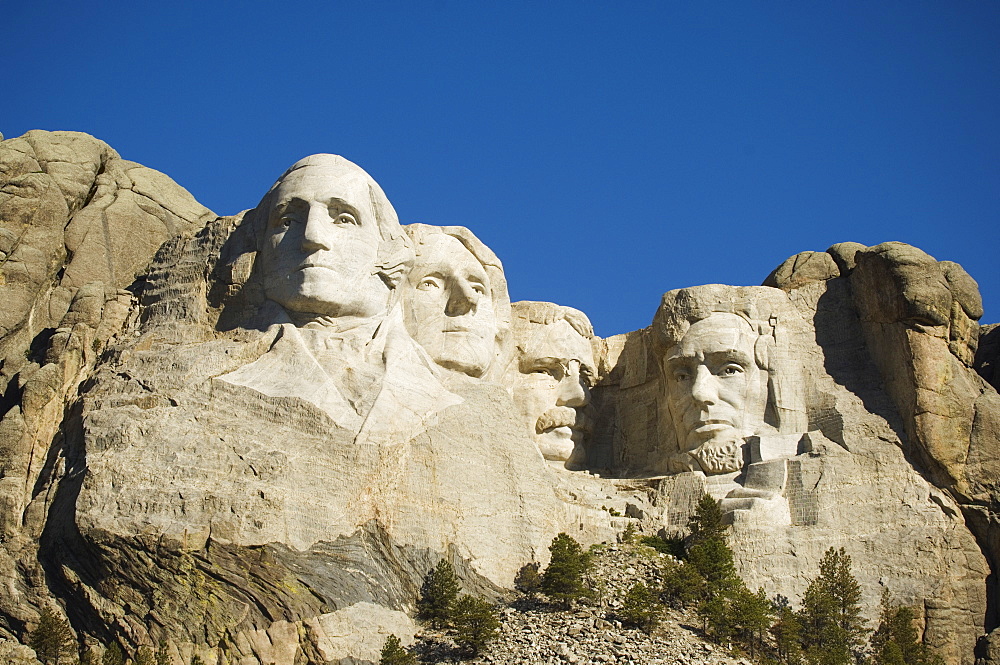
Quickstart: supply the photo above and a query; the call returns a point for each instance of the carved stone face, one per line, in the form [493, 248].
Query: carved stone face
[713, 383]
[321, 241]
[552, 387]
[449, 307]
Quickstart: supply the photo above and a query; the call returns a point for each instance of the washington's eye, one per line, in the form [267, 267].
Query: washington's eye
[345, 218]
[427, 283]
[285, 221]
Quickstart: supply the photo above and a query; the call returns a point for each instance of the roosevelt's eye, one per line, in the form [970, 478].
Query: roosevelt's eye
[544, 371]
[345, 218]
[682, 375]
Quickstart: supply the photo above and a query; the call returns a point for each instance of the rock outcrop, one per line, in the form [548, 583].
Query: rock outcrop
[252, 436]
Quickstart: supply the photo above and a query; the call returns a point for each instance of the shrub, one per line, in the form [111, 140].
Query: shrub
[528, 580]
[476, 623]
[113, 656]
[144, 657]
[393, 653]
[672, 546]
[438, 593]
[640, 609]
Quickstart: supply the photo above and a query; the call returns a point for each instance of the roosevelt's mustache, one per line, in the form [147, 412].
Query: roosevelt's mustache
[564, 416]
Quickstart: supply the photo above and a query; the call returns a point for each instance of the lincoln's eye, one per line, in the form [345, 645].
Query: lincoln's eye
[732, 370]
[345, 218]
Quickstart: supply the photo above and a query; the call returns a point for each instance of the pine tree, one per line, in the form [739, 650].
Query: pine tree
[144, 656]
[438, 594]
[162, 655]
[751, 616]
[563, 578]
[528, 580]
[476, 623]
[832, 627]
[707, 549]
[113, 655]
[640, 609]
[52, 639]
[895, 641]
[787, 632]
[393, 653]
[682, 584]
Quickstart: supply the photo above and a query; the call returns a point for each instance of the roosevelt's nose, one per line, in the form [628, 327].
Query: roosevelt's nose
[572, 390]
[704, 389]
[462, 298]
[316, 234]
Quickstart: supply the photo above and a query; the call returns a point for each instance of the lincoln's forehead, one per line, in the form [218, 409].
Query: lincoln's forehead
[716, 334]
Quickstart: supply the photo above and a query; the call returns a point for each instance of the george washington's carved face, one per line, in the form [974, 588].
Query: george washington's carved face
[321, 242]
[713, 384]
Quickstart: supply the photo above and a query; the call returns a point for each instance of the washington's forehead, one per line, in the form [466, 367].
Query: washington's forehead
[322, 183]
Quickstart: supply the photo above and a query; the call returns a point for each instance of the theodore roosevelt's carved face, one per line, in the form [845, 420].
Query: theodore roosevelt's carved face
[555, 372]
[449, 306]
[713, 384]
[321, 242]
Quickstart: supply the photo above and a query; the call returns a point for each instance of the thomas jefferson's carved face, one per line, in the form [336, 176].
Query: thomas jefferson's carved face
[321, 243]
[449, 306]
[552, 387]
[713, 382]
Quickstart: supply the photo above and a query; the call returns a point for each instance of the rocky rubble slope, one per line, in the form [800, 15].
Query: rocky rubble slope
[591, 634]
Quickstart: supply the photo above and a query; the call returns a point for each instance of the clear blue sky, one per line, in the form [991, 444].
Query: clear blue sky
[607, 152]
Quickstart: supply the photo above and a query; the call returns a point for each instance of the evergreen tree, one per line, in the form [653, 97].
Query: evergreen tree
[52, 639]
[476, 623]
[895, 641]
[832, 628]
[90, 657]
[707, 549]
[716, 618]
[751, 616]
[162, 655]
[640, 609]
[682, 584]
[787, 632]
[563, 578]
[438, 594]
[706, 522]
[144, 657]
[528, 580]
[113, 655]
[393, 653]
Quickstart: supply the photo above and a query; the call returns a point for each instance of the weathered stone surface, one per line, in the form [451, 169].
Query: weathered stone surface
[987, 362]
[257, 446]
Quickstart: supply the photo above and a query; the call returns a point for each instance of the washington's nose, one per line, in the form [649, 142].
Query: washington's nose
[462, 298]
[315, 235]
[572, 391]
[704, 389]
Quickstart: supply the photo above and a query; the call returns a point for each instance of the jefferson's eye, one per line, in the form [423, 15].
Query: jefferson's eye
[479, 288]
[345, 218]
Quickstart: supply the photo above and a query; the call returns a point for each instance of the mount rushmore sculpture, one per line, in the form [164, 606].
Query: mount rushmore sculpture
[252, 436]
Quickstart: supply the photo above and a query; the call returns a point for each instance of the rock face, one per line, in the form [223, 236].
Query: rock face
[252, 436]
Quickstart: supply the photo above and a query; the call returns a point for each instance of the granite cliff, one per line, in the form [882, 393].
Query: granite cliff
[252, 435]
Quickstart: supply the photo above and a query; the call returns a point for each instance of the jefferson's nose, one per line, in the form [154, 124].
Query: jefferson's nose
[316, 234]
[572, 391]
[462, 298]
[704, 389]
